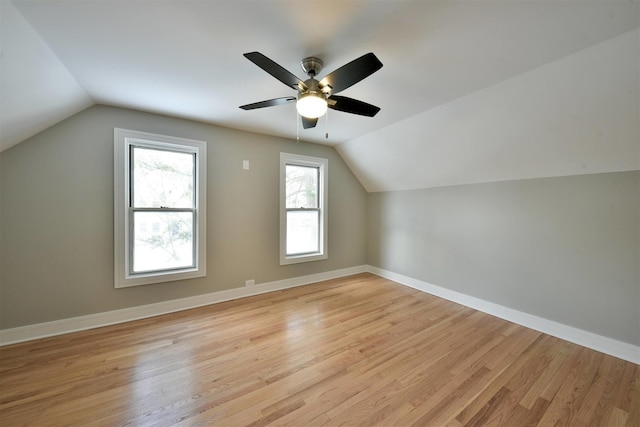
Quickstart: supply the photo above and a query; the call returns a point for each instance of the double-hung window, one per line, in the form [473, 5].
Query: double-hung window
[159, 208]
[303, 208]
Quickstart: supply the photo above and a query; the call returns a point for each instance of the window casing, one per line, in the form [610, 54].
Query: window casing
[303, 208]
[160, 208]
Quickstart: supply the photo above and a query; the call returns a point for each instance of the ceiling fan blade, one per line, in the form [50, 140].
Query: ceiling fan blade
[308, 123]
[353, 106]
[269, 103]
[275, 70]
[351, 73]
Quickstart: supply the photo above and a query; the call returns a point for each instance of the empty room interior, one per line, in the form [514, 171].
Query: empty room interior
[282, 212]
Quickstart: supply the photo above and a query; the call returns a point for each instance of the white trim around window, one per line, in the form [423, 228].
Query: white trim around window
[125, 210]
[313, 247]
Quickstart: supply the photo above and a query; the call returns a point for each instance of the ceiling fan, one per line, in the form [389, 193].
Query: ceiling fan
[315, 96]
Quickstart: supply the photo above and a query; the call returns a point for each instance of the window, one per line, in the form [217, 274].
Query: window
[159, 199]
[303, 208]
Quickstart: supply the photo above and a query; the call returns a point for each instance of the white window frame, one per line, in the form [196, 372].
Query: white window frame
[323, 231]
[124, 139]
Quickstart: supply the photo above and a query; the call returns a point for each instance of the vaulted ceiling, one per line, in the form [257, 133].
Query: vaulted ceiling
[461, 79]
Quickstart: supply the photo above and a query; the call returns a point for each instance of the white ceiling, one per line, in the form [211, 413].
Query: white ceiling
[184, 58]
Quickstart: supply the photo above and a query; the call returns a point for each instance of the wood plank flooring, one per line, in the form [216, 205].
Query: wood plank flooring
[354, 351]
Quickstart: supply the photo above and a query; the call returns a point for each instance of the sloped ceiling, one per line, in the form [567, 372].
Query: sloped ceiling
[36, 89]
[454, 71]
[577, 115]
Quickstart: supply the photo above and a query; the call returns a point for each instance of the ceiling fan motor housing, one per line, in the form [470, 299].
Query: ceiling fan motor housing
[312, 65]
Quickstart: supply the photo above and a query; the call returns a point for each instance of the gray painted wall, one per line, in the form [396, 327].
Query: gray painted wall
[565, 249]
[56, 201]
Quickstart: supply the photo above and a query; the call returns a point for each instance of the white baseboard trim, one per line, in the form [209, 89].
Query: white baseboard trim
[596, 342]
[74, 324]
[581, 337]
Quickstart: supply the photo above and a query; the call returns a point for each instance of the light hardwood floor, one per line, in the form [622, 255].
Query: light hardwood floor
[355, 351]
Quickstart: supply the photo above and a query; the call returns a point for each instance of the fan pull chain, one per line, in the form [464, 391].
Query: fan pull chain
[326, 125]
[297, 126]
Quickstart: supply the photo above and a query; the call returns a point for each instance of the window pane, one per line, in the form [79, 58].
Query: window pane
[162, 178]
[302, 232]
[301, 187]
[162, 240]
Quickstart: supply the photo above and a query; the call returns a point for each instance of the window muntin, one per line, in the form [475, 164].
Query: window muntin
[303, 208]
[160, 208]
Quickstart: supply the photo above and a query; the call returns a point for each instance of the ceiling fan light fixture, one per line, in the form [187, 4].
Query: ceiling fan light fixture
[315, 96]
[311, 105]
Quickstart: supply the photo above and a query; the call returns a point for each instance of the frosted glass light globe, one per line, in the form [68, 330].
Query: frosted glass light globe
[311, 105]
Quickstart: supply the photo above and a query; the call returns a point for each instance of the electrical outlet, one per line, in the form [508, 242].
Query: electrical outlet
[249, 282]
